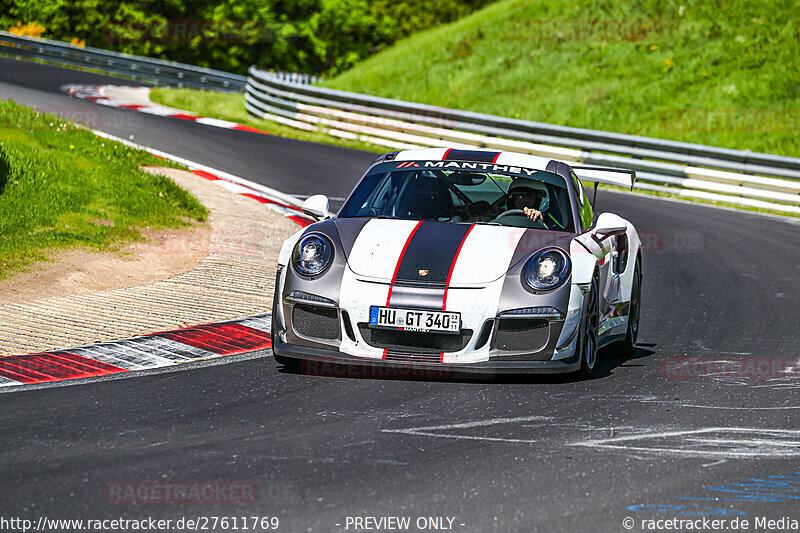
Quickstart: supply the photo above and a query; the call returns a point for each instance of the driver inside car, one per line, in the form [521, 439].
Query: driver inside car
[529, 196]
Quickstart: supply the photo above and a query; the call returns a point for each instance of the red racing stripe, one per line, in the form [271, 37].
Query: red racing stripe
[495, 157]
[444, 157]
[400, 260]
[397, 269]
[453, 266]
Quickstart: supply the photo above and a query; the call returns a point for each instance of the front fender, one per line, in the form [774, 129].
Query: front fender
[584, 263]
[285, 254]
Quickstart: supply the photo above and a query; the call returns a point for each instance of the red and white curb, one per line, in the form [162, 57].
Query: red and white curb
[139, 353]
[97, 94]
[293, 213]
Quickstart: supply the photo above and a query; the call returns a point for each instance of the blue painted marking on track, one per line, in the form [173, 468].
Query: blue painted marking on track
[769, 489]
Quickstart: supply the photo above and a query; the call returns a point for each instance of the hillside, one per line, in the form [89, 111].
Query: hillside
[725, 75]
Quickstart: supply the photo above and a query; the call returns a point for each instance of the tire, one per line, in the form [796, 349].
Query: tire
[628, 345]
[588, 338]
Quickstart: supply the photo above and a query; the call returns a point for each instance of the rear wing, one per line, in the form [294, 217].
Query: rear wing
[610, 176]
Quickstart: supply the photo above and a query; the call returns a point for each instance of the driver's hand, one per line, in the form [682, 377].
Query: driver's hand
[532, 214]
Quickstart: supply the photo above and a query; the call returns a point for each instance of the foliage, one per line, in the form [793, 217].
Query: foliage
[312, 36]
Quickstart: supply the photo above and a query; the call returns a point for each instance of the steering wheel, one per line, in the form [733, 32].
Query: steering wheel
[520, 213]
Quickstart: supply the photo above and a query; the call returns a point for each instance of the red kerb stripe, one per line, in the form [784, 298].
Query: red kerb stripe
[222, 339]
[242, 127]
[54, 366]
[206, 175]
[184, 116]
[301, 220]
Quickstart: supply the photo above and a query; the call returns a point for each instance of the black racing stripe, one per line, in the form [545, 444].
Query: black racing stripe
[432, 248]
[471, 155]
[418, 297]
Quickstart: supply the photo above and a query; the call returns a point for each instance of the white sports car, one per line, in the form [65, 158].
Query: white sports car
[474, 261]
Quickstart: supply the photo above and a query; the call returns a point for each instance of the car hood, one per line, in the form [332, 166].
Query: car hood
[438, 253]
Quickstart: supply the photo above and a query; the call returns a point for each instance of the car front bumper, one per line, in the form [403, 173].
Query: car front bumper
[314, 359]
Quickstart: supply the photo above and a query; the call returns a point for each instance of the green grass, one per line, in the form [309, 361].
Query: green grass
[230, 106]
[717, 73]
[63, 187]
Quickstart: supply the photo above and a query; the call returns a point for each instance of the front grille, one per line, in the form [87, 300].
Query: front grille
[414, 342]
[410, 358]
[316, 322]
[521, 334]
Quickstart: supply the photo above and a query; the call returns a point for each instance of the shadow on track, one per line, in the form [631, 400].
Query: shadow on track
[607, 362]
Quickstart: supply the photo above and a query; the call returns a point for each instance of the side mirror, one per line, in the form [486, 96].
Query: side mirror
[608, 225]
[316, 206]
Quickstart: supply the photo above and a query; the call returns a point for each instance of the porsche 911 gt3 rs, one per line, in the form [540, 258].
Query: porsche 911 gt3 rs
[477, 261]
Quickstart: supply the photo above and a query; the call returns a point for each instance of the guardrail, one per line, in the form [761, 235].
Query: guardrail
[691, 170]
[140, 68]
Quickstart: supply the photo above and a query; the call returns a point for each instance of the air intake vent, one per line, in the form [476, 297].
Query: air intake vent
[521, 334]
[414, 342]
[348, 326]
[483, 337]
[316, 322]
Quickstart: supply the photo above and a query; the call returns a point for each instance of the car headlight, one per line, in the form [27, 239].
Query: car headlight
[547, 269]
[312, 254]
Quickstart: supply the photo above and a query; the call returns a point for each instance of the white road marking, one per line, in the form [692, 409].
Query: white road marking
[721, 442]
[431, 431]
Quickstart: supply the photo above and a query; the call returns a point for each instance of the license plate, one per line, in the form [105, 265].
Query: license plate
[415, 319]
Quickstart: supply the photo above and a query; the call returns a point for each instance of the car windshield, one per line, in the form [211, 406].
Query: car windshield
[480, 193]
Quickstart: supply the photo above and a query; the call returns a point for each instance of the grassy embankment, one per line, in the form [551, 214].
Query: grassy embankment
[724, 75]
[63, 187]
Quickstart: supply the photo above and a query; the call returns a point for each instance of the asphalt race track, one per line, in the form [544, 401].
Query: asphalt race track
[642, 440]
